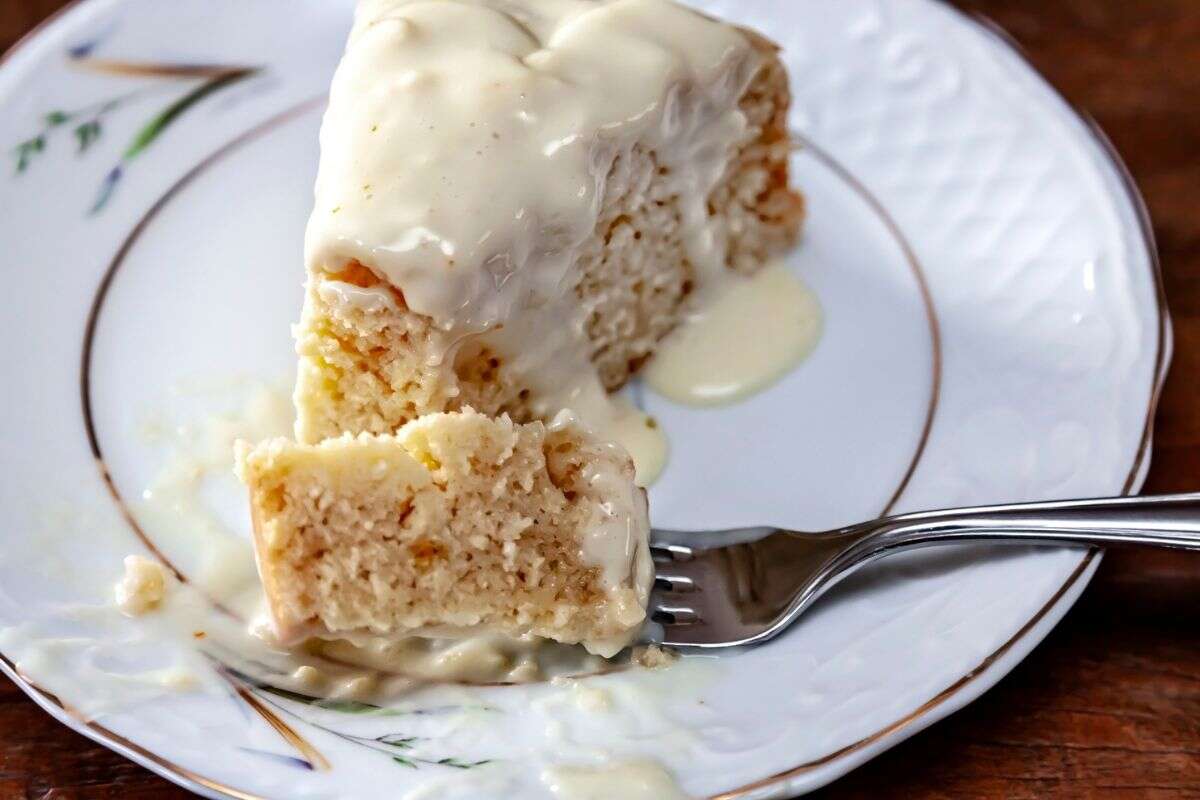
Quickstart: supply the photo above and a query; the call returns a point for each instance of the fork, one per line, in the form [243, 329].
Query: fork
[744, 586]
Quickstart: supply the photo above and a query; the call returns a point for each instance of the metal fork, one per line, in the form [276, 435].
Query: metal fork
[744, 586]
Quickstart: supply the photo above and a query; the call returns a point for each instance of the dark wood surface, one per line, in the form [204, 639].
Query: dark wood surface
[1109, 705]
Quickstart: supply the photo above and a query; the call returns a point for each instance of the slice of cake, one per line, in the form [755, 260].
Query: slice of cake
[517, 199]
[456, 523]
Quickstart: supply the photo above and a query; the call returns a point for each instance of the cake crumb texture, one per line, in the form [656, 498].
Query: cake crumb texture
[457, 521]
[143, 586]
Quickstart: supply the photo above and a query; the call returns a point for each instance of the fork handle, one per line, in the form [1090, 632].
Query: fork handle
[1156, 521]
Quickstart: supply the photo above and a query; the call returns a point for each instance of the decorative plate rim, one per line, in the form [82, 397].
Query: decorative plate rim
[934, 709]
[979, 677]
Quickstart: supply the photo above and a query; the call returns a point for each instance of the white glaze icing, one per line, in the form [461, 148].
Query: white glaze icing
[586, 696]
[642, 438]
[347, 294]
[744, 339]
[639, 779]
[465, 153]
[465, 144]
[617, 541]
[474, 658]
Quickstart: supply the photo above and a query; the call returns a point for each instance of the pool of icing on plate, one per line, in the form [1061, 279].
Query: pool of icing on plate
[738, 341]
[744, 334]
[637, 779]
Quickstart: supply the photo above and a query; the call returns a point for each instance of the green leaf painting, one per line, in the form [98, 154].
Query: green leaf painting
[87, 122]
[404, 749]
[86, 134]
[159, 123]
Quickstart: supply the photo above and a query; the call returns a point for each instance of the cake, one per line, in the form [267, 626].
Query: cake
[455, 523]
[516, 201]
[143, 586]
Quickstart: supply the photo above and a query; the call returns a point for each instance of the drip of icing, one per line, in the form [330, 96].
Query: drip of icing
[616, 541]
[639, 779]
[586, 696]
[476, 658]
[347, 294]
[741, 341]
[641, 436]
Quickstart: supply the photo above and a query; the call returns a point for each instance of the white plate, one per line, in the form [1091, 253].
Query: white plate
[995, 332]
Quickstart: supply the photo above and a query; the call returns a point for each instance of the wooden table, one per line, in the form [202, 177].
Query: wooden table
[1109, 705]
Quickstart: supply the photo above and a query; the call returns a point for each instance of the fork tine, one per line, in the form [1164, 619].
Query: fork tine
[690, 602]
[716, 589]
[676, 615]
[687, 620]
[675, 583]
[680, 577]
[671, 552]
